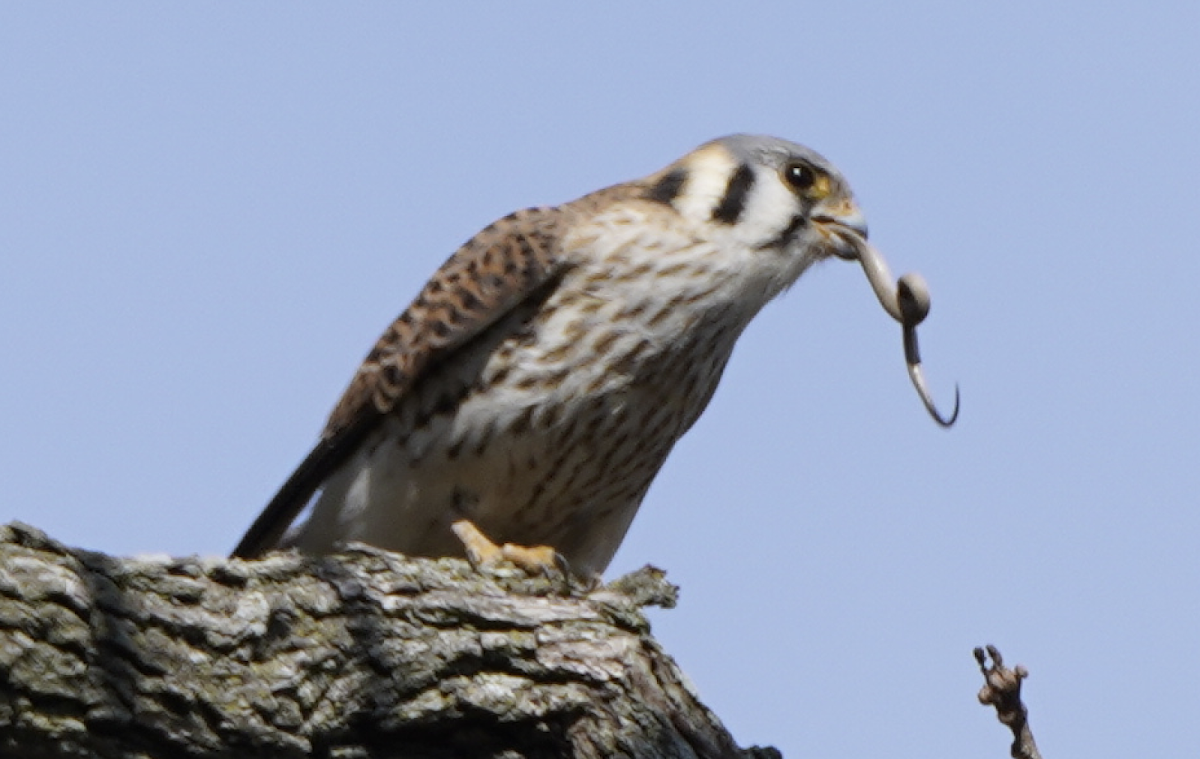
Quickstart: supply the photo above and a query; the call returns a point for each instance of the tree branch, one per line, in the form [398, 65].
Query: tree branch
[365, 654]
[1002, 689]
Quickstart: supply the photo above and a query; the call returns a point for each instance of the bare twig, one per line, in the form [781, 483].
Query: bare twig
[1003, 691]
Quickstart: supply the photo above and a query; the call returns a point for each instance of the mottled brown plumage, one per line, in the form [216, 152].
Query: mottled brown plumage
[538, 382]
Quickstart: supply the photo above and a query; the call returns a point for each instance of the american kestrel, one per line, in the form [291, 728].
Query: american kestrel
[534, 388]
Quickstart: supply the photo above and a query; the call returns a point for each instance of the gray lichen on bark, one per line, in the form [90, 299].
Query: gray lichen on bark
[363, 654]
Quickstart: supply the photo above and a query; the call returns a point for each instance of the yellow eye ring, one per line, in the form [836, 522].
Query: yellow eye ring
[806, 180]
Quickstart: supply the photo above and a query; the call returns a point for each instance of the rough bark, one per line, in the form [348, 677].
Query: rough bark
[364, 654]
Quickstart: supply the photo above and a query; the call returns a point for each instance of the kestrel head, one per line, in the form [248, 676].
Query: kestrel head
[763, 195]
[781, 203]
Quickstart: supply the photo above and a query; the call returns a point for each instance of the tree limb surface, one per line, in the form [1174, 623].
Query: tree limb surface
[361, 655]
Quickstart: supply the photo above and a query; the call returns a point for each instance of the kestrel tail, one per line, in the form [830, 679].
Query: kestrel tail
[536, 385]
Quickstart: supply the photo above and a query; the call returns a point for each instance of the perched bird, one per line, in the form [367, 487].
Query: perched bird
[534, 388]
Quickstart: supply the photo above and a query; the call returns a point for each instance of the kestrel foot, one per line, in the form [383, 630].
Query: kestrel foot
[483, 553]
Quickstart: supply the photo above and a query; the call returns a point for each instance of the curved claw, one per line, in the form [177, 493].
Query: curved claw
[908, 302]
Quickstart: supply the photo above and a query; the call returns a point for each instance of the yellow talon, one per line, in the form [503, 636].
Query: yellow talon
[482, 552]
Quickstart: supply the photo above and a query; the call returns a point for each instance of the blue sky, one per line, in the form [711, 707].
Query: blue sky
[208, 213]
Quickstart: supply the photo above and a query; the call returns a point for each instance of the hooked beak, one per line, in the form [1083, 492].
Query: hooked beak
[844, 226]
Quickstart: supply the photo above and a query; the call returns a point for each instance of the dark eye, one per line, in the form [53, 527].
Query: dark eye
[801, 176]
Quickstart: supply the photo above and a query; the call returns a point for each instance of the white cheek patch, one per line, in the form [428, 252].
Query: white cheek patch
[769, 210]
[709, 170]
[769, 207]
